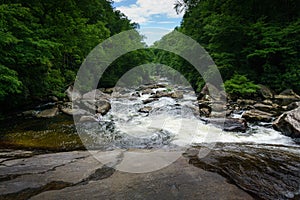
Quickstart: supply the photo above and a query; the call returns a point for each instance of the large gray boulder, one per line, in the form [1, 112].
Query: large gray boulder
[289, 123]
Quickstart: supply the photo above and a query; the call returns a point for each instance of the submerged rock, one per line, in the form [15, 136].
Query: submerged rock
[289, 123]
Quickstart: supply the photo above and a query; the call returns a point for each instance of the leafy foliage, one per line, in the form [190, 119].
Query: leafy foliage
[43, 43]
[257, 38]
[240, 86]
[9, 83]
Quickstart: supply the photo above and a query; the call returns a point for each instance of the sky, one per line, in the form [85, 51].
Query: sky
[155, 17]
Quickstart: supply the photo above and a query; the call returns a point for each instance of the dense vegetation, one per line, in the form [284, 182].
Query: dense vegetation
[43, 43]
[259, 39]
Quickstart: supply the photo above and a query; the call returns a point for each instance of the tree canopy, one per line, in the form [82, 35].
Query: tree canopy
[43, 43]
[257, 38]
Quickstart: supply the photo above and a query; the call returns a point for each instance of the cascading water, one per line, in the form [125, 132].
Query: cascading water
[172, 122]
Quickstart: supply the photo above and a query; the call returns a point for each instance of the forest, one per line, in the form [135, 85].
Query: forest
[250, 42]
[43, 44]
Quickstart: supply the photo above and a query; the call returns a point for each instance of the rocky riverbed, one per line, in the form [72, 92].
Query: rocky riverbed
[44, 154]
[78, 175]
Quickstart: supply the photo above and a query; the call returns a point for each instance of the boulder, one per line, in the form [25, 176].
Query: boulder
[160, 94]
[67, 109]
[265, 92]
[288, 92]
[209, 91]
[204, 112]
[108, 90]
[245, 102]
[72, 94]
[286, 97]
[218, 107]
[29, 113]
[214, 114]
[53, 99]
[145, 109]
[235, 125]
[229, 124]
[263, 107]
[293, 105]
[289, 123]
[267, 102]
[257, 115]
[48, 113]
[174, 95]
[103, 107]
[154, 86]
[212, 108]
[146, 101]
[95, 95]
[177, 95]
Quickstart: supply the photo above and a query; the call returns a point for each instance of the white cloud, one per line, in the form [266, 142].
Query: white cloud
[118, 1]
[153, 34]
[142, 11]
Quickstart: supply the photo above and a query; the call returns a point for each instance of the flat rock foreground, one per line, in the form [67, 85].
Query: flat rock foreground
[78, 175]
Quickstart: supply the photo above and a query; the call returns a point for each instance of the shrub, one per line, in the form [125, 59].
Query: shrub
[240, 86]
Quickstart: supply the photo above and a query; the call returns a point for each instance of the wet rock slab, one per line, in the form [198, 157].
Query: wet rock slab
[266, 171]
[78, 175]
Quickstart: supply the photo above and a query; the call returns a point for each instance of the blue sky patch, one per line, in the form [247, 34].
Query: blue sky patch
[155, 17]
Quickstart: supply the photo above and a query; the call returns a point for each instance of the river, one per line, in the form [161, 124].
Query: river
[261, 161]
